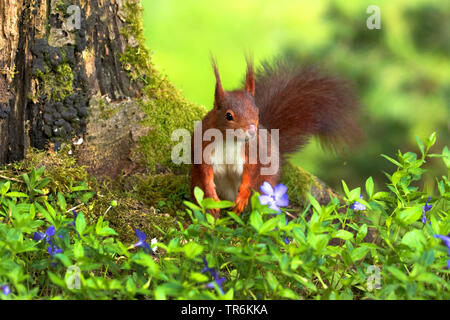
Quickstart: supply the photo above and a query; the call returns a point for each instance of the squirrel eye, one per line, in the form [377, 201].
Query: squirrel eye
[229, 116]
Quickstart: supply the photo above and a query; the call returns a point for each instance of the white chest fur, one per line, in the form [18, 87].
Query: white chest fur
[228, 168]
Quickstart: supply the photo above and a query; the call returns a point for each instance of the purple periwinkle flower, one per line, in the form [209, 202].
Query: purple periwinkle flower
[358, 206]
[218, 280]
[446, 240]
[5, 289]
[426, 208]
[49, 233]
[52, 250]
[207, 268]
[48, 237]
[274, 197]
[142, 243]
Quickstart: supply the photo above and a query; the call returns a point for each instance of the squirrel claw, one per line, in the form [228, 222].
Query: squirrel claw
[240, 206]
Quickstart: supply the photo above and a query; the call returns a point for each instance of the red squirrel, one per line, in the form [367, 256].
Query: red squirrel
[299, 101]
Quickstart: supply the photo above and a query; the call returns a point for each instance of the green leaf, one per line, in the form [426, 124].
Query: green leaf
[415, 240]
[396, 176]
[269, 225]
[64, 259]
[210, 219]
[198, 194]
[198, 277]
[362, 232]
[85, 197]
[354, 195]
[62, 201]
[15, 194]
[107, 231]
[343, 234]
[398, 164]
[80, 223]
[369, 187]
[130, 286]
[381, 195]
[409, 215]
[79, 188]
[446, 157]
[192, 206]
[168, 288]
[347, 192]
[256, 220]
[145, 260]
[5, 187]
[236, 218]
[45, 213]
[428, 278]
[27, 180]
[431, 140]
[99, 225]
[318, 242]
[78, 250]
[192, 250]
[213, 204]
[359, 253]
[271, 280]
[56, 280]
[421, 146]
[50, 209]
[288, 293]
[398, 274]
[229, 295]
[315, 203]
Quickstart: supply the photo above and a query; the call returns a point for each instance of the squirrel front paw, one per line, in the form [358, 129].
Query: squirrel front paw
[241, 203]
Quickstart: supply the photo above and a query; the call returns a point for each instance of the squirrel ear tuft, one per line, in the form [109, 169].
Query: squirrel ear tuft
[250, 78]
[219, 93]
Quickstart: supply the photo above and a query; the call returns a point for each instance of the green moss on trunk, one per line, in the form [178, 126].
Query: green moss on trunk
[166, 109]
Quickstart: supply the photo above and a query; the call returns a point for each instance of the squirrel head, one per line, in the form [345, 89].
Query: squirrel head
[237, 109]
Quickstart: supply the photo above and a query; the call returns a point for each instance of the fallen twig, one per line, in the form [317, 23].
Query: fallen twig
[12, 179]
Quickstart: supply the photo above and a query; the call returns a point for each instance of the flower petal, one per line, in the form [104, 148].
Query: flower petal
[141, 236]
[265, 199]
[221, 280]
[445, 239]
[280, 190]
[52, 250]
[139, 243]
[357, 206]
[274, 206]
[283, 201]
[37, 236]
[5, 289]
[50, 231]
[267, 188]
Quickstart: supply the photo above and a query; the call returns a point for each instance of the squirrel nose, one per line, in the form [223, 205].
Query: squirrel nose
[251, 130]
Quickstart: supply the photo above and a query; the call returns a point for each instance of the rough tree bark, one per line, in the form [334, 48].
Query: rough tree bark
[54, 56]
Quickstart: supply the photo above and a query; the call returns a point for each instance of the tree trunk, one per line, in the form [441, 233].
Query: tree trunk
[54, 56]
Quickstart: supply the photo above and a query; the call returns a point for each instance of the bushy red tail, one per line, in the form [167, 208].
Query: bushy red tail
[302, 102]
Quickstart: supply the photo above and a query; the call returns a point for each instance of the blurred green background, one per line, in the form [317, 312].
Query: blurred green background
[401, 71]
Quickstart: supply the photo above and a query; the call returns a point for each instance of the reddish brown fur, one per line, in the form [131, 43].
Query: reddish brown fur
[298, 102]
[301, 102]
